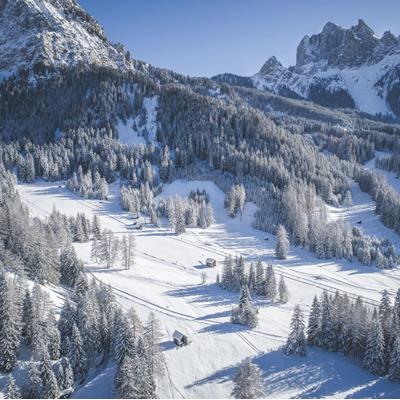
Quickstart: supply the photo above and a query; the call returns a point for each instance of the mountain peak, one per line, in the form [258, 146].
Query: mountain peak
[270, 66]
[335, 46]
[52, 34]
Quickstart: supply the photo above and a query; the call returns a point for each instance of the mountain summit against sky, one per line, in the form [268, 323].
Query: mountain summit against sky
[345, 48]
[40, 34]
[339, 68]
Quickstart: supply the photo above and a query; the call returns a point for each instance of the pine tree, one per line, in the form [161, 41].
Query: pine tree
[327, 337]
[152, 336]
[239, 275]
[10, 333]
[128, 250]
[374, 356]
[283, 291]
[53, 336]
[124, 343]
[248, 382]
[124, 381]
[70, 266]
[96, 227]
[394, 362]
[314, 320]
[77, 355]
[27, 318]
[12, 390]
[296, 342]
[282, 244]
[251, 279]
[65, 324]
[144, 381]
[65, 375]
[32, 388]
[270, 283]
[227, 280]
[245, 314]
[385, 315]
[260, 278]
[50, 388]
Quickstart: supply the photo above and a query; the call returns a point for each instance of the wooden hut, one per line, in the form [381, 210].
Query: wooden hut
[180, 339]
[210, 262]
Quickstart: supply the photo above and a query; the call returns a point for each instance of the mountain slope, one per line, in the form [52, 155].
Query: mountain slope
[345, 68]
[38, 35]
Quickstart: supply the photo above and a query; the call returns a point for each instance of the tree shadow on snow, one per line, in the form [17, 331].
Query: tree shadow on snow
[319, 374]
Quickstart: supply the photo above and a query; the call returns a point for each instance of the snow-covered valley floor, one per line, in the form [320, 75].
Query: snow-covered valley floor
[166, 278]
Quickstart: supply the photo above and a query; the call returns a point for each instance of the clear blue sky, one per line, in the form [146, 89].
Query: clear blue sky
[206, 37]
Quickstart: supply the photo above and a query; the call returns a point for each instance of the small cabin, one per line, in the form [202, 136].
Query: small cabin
[359, 222]
[210, 262]
[180, 339]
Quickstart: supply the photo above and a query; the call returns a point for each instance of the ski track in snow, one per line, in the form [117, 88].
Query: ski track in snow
[166, 280]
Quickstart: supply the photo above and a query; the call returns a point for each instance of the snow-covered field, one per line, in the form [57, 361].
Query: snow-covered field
[167, 279]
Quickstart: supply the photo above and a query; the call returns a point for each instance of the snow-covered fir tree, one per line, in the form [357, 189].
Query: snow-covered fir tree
[296, 342]
[282, 243]
[128, 250]
[248, 381]
[50, 389]
[283, 293]
[245, 313]
[314, 323]
[374, 356]
[12, 389]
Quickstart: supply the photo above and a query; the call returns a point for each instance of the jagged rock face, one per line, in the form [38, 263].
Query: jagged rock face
[342, 48]
[35, 34]
[341, 68]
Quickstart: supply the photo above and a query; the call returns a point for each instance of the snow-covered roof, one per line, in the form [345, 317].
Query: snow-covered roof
[210, 260]
[178, 335]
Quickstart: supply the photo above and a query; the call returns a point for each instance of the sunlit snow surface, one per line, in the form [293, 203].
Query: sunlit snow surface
[166, 279]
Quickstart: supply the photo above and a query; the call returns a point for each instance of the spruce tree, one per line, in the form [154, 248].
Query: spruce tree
[245, 314]
[53, 336]
[152, 335]
[247, 381]
[65, 375]
[9, 335]
[283, 291]
[96, 227]
[314, 321]
[374, 356]
[50, 388]
[296, 342]
[394, 362]
[77, 355]
[327, 337]
[12, 390]
[27, 318]
[260, 278]
[282, 244]
[32, 388]
[270, 283]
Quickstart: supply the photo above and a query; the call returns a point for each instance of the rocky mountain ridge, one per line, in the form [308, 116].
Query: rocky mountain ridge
[341, 68]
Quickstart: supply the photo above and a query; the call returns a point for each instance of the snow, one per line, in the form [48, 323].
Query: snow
[133, 132]
[127, 134]
[361, 82]
[100, 387]
[58, 42]
[166, 279]
[391, 178]
[150, 105]
[363, 207]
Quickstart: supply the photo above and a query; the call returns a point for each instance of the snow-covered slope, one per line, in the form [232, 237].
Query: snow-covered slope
[39, 34]
[166, 279]
[339, 67]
